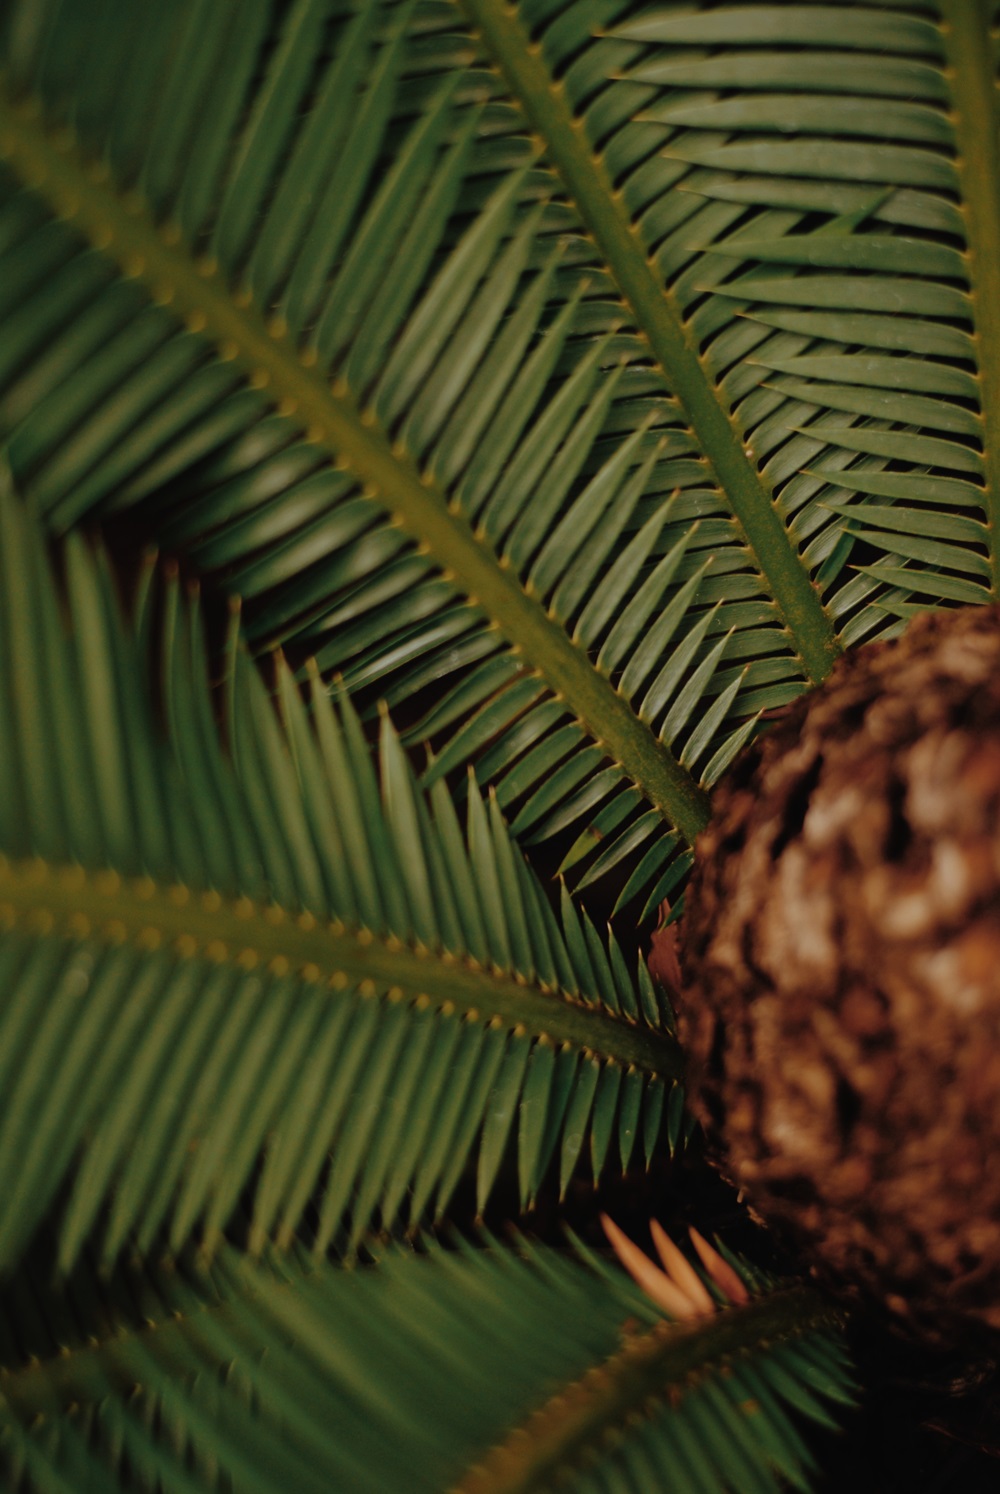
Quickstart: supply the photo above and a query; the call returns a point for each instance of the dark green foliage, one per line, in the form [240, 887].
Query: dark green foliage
[396, 958]
[557, 387]
[347, 1379]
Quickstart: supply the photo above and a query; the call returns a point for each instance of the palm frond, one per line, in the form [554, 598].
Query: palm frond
[610, 163]
[880, 358]
[672, 211]
[382, 464]
[479, 1369]
[284, 953]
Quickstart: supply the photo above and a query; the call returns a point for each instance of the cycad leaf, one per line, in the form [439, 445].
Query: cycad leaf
[883, 291]
[416, 474]
[407, 1376]
[452, 359]
[252, 962]
[752, 130]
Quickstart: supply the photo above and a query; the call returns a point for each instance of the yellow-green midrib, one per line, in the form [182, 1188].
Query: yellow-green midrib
[66, 901]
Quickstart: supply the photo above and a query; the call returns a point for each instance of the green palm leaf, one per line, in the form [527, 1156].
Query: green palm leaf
[478, 1369]
[472, 507]
[882, 348]
[763, 326]
[274, 954]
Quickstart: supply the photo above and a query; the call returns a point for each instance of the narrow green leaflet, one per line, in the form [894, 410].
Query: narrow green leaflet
[275, 954]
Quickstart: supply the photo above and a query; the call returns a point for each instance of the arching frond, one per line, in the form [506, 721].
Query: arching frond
[416, 517]
[609, 161]
[205, 960]
[869, 317]
[422, 476]
[476, 1369]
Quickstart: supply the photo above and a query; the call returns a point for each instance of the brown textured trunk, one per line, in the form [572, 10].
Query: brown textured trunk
[841, 962]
